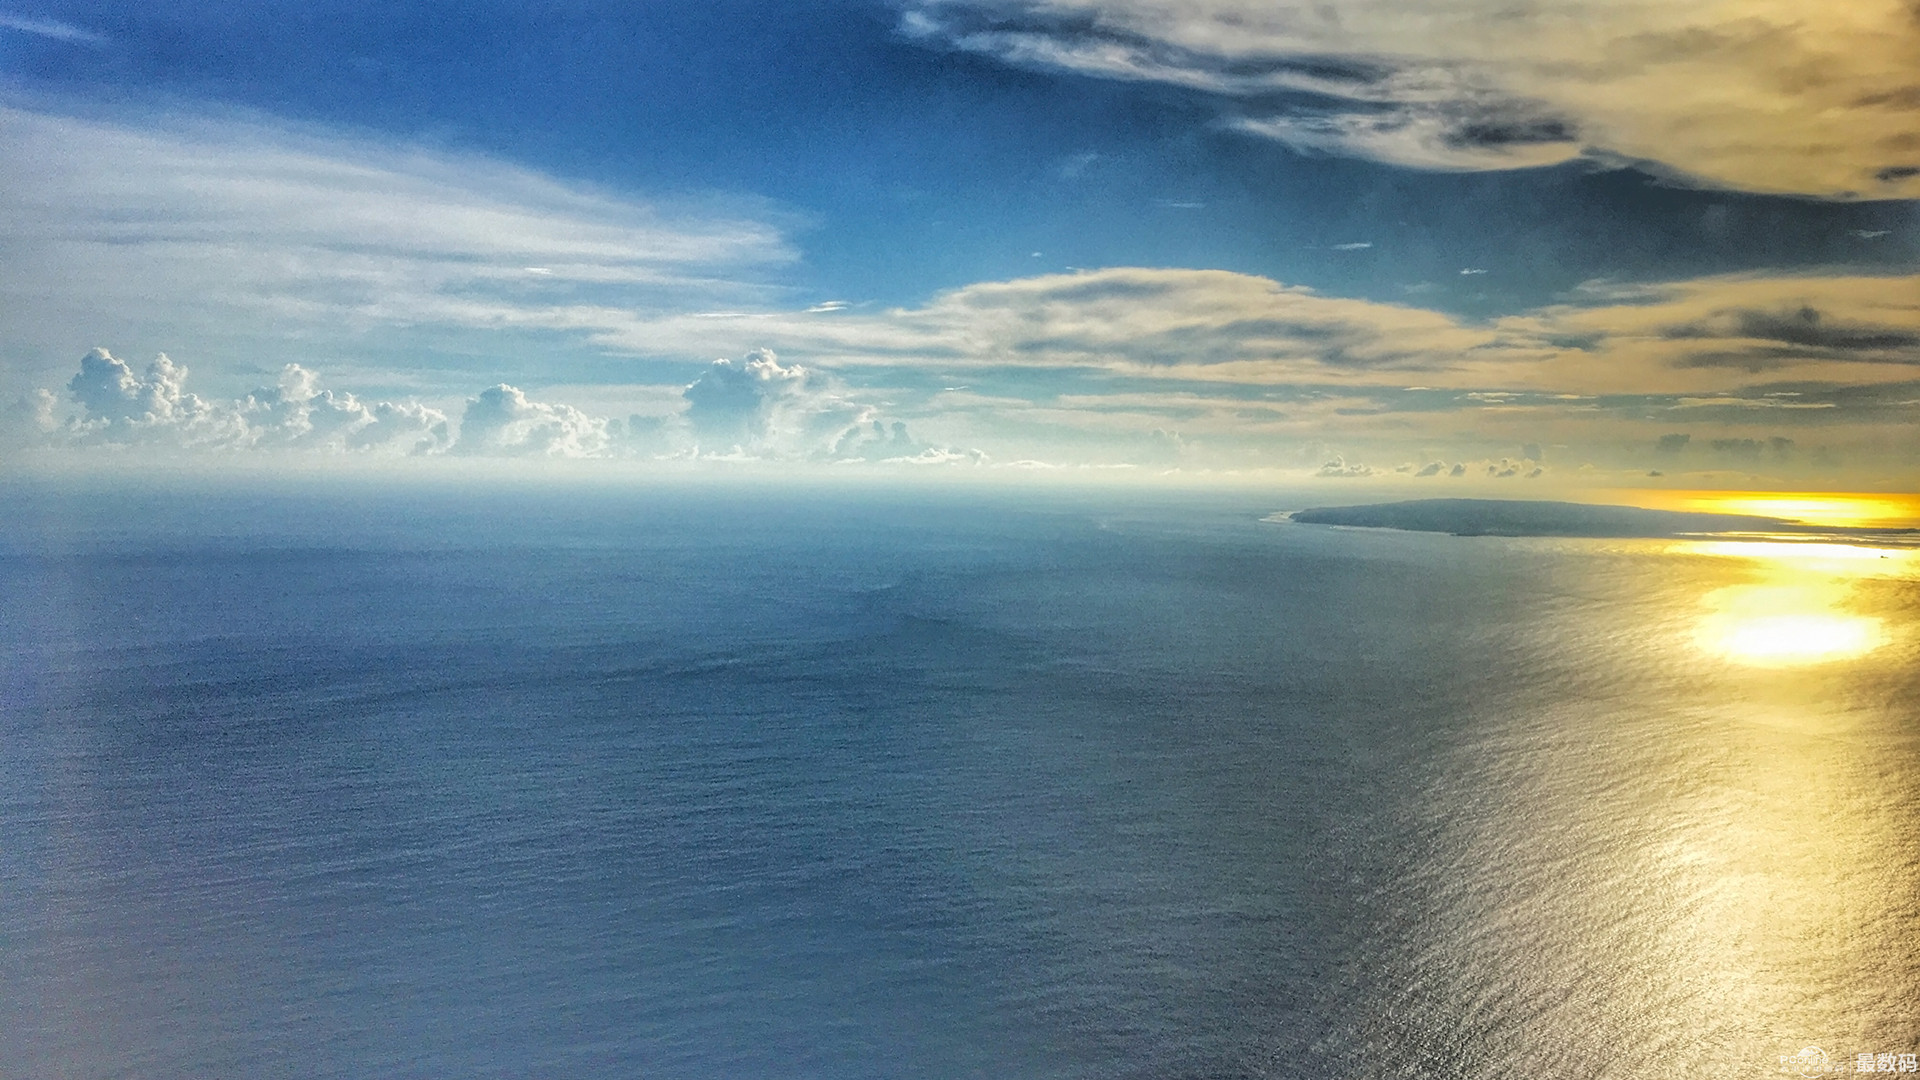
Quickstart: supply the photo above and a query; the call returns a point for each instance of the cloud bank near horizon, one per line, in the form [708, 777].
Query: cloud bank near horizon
[755, 409]
[762, 409]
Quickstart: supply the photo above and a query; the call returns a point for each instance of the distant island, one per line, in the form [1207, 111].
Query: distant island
[1521, 517]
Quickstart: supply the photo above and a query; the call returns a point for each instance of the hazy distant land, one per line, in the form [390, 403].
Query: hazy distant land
[1520, 517]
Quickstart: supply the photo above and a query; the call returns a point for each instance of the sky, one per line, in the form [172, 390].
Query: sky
[1528, 247]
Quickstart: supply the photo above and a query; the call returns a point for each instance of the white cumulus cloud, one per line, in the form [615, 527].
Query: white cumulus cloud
[118, 405]
[757, 406]
[501, 420]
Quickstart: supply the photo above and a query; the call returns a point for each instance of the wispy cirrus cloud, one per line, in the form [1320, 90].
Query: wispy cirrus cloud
[1707, 335]
[181, 229]
[1730, 332]
[1223, 364]
[1745, 94]
[205, 226]
[50, 28]
[1151, 322]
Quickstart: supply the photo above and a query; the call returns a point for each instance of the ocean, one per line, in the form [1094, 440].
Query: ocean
[669, 783]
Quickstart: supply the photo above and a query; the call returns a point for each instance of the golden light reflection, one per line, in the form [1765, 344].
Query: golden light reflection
[1831, 509]
[1796, 613]
[1777, 859]
[1790, 637]
[1835, 560]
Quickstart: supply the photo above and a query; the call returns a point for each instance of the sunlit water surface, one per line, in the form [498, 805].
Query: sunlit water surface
[666, 786]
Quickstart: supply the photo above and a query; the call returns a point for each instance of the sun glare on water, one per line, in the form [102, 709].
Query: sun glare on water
[1791, 638]
[1796, 612]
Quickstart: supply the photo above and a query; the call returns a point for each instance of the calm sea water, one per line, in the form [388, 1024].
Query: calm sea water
[666, 785]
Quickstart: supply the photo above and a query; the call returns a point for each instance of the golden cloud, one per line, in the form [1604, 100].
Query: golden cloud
[1757, 95]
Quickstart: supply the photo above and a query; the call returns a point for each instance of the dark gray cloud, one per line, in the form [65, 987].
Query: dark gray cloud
[1807, 328]
[1777, 447]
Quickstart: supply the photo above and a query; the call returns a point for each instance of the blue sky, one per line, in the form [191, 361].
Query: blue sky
[1216, 236]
